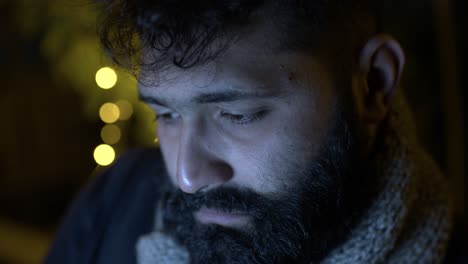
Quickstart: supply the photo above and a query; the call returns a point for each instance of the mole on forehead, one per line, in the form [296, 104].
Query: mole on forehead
[291, 74]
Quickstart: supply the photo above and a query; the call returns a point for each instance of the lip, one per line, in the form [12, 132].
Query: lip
[212, 216]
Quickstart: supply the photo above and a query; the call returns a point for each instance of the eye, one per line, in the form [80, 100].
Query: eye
[166, 117]
[243, 119]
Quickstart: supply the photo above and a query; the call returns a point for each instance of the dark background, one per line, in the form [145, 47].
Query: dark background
[49, 105]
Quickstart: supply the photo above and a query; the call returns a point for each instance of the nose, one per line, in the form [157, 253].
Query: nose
[198, 167]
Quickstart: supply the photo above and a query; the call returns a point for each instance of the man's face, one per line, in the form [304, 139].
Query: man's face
[242, 122]
[255, 142]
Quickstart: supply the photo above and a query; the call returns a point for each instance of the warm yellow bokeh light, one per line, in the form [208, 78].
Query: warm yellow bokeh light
[109, 113]
[126, 109]
[106, 78]
[104, 155]
[111, 134]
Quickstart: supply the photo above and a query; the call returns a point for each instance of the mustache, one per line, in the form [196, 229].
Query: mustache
[225, 199]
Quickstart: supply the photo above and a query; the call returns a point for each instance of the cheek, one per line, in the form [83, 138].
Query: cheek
[273, 161]
[270, 163]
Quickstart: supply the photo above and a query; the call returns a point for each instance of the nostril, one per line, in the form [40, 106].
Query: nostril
[223, 172]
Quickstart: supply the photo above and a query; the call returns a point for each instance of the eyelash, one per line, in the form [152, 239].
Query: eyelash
[235, 119]
[243, 119]
[167, 117]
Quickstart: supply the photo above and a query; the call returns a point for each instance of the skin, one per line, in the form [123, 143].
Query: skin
[251, 118]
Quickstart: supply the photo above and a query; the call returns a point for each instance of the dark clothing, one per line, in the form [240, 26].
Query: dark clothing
[104, 223]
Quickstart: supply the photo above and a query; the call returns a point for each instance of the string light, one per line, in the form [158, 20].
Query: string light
[111, 134]
[106, 78]
[109, 113]
[104, 155]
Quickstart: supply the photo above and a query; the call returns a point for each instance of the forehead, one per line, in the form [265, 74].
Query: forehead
[243, 67]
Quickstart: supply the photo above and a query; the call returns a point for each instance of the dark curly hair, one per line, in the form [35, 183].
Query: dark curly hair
[189, 33]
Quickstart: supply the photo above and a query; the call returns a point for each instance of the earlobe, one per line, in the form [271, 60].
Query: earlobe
[381, 64]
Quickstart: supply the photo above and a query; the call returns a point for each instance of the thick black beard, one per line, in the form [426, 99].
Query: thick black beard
[300, 227]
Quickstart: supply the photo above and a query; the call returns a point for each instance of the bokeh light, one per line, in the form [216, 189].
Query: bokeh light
[106, 78]
[109, 113]
[126, 109]
[111, 134]
[104, 155]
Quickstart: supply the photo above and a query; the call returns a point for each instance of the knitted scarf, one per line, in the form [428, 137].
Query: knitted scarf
[409, 221]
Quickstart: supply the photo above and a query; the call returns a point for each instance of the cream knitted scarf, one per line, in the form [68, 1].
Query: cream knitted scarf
[408, 222]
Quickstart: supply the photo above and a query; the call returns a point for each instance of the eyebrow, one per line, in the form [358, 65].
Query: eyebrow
[215, 97]
[231, 96]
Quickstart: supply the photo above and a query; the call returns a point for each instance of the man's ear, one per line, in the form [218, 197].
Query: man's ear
[381, 63]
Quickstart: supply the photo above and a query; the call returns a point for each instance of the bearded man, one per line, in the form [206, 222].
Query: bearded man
[282, 140]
